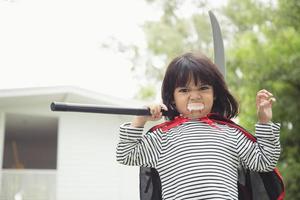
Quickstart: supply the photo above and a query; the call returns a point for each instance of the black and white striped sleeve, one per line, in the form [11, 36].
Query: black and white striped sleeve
[263, 154]
[134, 148]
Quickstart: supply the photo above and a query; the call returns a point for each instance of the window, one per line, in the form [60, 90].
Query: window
[30, 142]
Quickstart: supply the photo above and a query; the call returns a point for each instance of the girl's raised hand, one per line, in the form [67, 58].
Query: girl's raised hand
[264, 100]
[156, 114]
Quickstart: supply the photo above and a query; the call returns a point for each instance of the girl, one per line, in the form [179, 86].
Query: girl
[195, 156]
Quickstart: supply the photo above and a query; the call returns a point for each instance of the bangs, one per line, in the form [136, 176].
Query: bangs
[201, 70]
[189, 71]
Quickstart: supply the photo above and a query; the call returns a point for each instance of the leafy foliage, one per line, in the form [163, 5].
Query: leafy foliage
[262, 42]
[172, 35]
[268, 58]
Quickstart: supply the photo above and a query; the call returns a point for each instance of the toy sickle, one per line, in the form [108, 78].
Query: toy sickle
[219, 53]
[219, 60]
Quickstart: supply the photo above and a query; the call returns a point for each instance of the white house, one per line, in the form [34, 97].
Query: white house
[61, 155]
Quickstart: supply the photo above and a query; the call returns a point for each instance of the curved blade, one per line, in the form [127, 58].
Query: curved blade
[219, 55]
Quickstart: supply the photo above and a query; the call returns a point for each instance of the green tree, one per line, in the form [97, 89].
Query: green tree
[172, 35]
[263, 51]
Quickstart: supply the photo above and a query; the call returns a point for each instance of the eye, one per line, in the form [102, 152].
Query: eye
[183, 90]
[205, 87]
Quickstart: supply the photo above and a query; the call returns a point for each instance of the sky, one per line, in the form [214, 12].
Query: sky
[59, 43]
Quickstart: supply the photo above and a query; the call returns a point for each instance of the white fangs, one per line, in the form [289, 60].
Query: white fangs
[195, 106]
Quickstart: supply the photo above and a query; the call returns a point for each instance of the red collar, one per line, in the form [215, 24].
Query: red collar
[180, 120]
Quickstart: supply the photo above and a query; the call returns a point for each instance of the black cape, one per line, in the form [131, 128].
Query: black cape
[251, 185]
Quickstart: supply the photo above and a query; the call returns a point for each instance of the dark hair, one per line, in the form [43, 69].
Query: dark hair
[197, 67]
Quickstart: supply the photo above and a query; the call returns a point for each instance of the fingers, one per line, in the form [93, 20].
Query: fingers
[156, 110]
[264, 98]
[164, 107]
[264, 94]
[156, 114]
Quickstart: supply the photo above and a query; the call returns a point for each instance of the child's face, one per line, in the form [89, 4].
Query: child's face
[194, 101]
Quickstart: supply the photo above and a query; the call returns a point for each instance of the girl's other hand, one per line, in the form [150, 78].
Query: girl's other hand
[156, 114]
[264, 100]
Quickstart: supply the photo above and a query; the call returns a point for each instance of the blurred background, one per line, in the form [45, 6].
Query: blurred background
[121, 49]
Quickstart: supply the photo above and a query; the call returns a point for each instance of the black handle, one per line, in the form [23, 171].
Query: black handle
[91, 108]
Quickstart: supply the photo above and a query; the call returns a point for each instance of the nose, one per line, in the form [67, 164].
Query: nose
[195, 95]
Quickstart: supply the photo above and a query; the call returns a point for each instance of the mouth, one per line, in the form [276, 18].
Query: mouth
[195, 106]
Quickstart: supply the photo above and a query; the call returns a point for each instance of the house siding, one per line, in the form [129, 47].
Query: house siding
[86, 164]
[87, 168]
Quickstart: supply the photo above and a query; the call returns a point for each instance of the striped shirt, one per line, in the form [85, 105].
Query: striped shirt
[198, 161]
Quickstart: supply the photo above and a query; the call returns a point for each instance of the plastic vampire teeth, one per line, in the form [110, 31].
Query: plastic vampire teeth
[195, 106]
